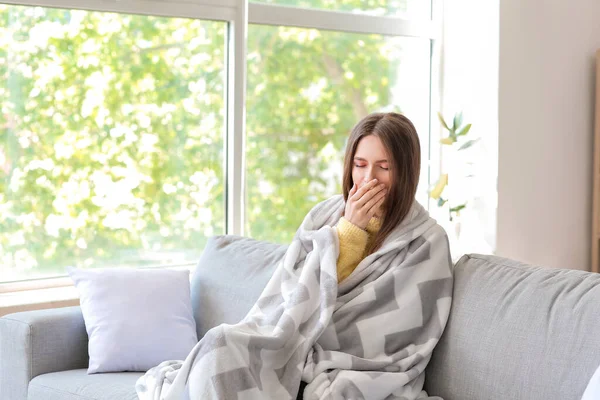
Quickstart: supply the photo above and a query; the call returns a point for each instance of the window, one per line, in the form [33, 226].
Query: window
[412, 9]
[130, 132]
[306, 90]
[111, 139]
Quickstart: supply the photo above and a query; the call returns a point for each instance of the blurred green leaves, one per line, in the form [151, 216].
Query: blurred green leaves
[111, 139]
[306, 90]
[112, 130]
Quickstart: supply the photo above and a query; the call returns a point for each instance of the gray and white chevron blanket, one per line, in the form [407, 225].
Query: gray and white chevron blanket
[370, 337]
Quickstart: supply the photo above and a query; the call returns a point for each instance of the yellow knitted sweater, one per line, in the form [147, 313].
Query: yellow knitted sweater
[354, 243]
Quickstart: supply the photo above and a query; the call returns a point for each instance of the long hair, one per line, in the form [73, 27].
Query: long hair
[401, 141]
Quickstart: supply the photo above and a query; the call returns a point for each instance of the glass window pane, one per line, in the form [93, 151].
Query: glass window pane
[306, 90]
[111, 139]
[409, 9]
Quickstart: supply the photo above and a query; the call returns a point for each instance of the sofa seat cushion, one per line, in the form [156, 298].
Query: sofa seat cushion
[78, 385]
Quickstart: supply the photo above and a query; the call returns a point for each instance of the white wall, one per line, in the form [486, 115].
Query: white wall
[546, 79]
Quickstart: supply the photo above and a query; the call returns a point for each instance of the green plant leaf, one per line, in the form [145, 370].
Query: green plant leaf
[448, 140]
[458, 120]
[468, 144]
[436, 192]
[444, 124]
[464, 130]
[441, 202]
[458, 208]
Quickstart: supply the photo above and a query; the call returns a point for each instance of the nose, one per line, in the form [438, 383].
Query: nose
[370, 174]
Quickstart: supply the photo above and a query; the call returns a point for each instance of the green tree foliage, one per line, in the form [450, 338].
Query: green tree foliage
[111, 137]
[112, 132]
[306, 89]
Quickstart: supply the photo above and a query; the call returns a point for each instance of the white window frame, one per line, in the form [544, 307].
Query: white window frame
[239, 14]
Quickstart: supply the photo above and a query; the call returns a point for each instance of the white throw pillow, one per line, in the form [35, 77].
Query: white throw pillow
[593, 389]
[135, 318]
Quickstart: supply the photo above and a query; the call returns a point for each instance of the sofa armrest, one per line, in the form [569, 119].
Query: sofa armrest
[33, 343]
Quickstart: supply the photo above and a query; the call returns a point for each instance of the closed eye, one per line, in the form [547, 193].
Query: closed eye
[363, 166]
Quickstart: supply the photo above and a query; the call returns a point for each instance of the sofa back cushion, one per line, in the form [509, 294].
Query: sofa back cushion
[517, 332]
[229, 278]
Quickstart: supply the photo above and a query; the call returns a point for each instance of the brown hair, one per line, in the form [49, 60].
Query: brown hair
[399, 137]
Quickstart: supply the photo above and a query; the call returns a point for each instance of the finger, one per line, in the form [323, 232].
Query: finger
[352, 190]
[377, 210]
[369, 195]
[372, 205]
[364, 199]
[365, 188]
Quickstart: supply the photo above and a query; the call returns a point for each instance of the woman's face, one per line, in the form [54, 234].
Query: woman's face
[371, 162]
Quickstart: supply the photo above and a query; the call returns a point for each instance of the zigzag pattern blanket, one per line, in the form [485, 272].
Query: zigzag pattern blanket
[369, 337]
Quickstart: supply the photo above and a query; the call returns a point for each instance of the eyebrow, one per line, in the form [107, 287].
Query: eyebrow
[376, 162]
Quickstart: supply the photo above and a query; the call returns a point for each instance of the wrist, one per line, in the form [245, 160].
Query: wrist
[348, 226]
[357, 224]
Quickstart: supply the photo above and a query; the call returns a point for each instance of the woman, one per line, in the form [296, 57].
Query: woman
[355, 307]
[381, 166]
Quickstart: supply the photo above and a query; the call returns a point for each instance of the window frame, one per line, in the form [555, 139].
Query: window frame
[238, 14]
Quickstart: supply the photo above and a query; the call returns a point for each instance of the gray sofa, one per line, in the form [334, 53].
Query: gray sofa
[515, 332]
